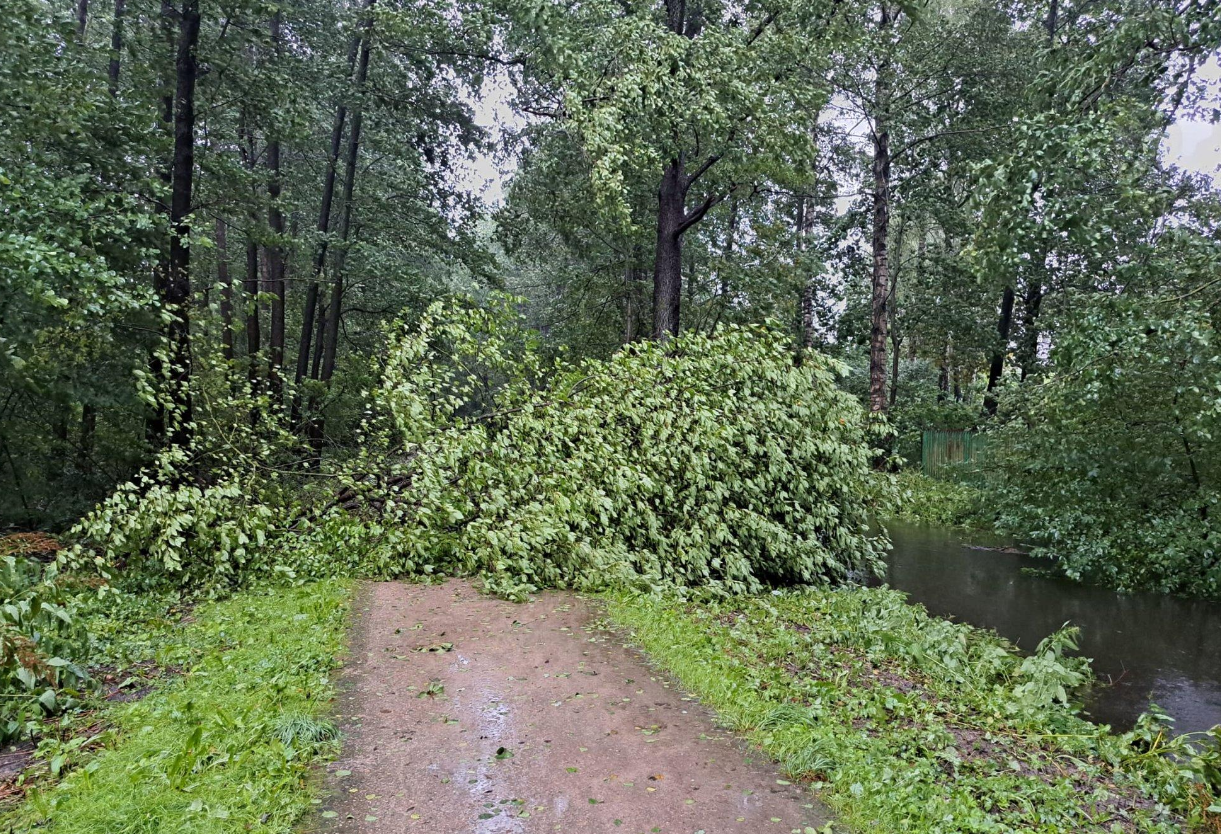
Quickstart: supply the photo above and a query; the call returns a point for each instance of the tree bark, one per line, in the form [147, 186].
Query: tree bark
[1002, 347]
[250, 286]
[310, 312]
[82, 18]
[1029, 350]
[116, 47]
[881, 229]
[805, 223]
[84, 452]
[226, 291]
[175, 289]
[668, 261]
[673, 219]
[275, 253]
[629, 299]
[345, 222]
[947, 362]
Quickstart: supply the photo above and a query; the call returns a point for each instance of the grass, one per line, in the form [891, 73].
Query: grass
[907, 723]
[227, 745]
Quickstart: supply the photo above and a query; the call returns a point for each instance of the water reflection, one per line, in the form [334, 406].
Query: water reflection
[1145, 647]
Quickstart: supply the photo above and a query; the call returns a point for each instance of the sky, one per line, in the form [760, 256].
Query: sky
[1193, 142]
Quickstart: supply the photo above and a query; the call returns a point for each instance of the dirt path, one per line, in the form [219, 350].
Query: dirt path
[468, 714]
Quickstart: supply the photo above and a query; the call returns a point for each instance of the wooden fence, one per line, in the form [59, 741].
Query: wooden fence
[946, 453]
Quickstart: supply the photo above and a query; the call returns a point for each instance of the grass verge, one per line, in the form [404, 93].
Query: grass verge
[907, 723]
[224, 747]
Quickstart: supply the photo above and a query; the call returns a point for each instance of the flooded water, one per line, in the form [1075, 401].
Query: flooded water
[1144, 647]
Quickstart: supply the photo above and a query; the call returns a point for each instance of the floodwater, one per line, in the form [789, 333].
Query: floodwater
[1145, 647]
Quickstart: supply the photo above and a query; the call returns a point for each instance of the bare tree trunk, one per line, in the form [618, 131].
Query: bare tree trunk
[805, 224]
[175, 290]
[275, 253]
[116, 47]
[310, 312]
[947, 362]
[997, 368]
[673, 219]
[82, 18]
[668, 262]
[84, 452]
[226, 291]
[329, 335]
[881, 228]
[156, 426]
[319, 337]
[250, 286]
[1029, 350]
[345, 222]
[629, 297]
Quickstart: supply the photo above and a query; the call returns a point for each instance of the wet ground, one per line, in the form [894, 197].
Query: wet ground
[464, 713]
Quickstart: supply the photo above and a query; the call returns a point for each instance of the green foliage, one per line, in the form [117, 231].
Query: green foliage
[907, 722]
[42, 641]
[229, 744]
[944, 502]
[703, 462]
[1112, 467]
[713, 462]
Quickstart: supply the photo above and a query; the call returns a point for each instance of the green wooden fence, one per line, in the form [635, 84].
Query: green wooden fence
[946, 454]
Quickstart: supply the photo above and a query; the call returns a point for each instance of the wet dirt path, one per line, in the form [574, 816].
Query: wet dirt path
[465, 714]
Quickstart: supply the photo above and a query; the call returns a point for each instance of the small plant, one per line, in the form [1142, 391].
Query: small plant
[42, 645]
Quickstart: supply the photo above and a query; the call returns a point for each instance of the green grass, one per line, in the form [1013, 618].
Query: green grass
[907, 723]
[227, 745]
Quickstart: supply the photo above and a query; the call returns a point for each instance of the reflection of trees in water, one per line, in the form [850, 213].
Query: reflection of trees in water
[1154, 647]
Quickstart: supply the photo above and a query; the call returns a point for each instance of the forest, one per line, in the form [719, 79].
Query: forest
[653, 303]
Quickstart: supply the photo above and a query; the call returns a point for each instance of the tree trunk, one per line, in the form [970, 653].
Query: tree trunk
[175, 289]
[226, 291]
[89, 422]
[310, 312]
[1029, 350]
[805, 223]
[116, 46]
[947, 363]
[1002, 347]
[345, 222]
[881, 229]
[629, 299]
[330, 335]
[156, 426]
[668, 261]
[275, 253]
[250, 285]
[82, 18]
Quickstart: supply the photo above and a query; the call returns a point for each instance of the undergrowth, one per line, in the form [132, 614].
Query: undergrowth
[223, 745]
[946, 503]
[904, 722]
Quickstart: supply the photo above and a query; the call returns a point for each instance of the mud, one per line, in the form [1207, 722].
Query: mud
[464, 713]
